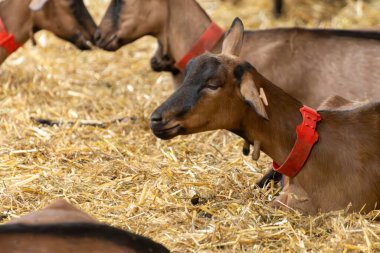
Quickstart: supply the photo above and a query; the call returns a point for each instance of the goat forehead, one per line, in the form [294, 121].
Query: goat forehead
[202, 69]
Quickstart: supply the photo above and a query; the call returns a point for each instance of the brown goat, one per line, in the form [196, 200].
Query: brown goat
[67, 19]
[310, 65]
[223, 92]
[62, 228]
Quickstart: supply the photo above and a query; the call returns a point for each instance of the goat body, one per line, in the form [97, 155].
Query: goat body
[222, 92]
[62, 228]
[309, 64]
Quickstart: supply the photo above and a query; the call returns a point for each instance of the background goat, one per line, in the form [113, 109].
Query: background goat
[67, 19]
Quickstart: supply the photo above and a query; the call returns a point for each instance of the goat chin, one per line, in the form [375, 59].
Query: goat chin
[81, 42]
[167, 133]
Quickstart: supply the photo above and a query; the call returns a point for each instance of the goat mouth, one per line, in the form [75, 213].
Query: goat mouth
[80, 41]
[168, 132]
[109, 45]
[86, 45]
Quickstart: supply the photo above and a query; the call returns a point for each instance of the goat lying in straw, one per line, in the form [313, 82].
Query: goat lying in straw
[224, 92]
[183, 29]
[62, 228]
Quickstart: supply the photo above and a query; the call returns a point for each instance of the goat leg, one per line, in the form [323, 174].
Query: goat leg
[270, 175]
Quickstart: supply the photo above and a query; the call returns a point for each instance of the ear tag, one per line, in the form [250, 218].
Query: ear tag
[263, 97]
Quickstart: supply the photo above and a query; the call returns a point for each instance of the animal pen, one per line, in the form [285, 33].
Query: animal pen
[192, 193]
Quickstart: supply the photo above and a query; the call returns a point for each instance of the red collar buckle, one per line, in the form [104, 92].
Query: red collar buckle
[206, 42]
[306, 137]
[7, 41]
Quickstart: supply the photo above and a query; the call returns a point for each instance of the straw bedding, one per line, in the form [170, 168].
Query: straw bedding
[121, 174]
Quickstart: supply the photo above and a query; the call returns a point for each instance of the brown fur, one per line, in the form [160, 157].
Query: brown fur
[55, 16]
[58, 212]
[344, 165]
[311, 65]
[43, 231]
[340, 103]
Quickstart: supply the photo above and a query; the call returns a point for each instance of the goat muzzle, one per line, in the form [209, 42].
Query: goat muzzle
[164, 129]
[108, 43]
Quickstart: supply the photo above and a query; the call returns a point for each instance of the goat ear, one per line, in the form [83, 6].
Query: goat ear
[37, 5]
[250, 94]
[234, 38]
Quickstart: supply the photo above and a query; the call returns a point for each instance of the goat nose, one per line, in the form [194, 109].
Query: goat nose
[156, 118]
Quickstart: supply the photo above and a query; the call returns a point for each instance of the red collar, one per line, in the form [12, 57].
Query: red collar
[7, 41]
[206, 42]
[306, 137]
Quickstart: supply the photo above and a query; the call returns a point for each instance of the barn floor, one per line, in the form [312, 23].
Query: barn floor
[121, 174]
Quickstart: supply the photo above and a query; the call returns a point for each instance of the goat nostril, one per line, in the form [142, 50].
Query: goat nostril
[156, 118]
[166, 57]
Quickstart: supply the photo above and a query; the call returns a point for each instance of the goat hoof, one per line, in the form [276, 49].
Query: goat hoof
[271, 175]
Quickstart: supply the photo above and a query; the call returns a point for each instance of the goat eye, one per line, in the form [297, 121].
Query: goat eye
[212, 86]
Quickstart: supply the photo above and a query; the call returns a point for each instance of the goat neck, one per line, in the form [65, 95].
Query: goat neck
[186, 22]
[19, 25]
[278, 134]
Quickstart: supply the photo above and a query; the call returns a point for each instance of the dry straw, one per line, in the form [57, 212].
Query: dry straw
[121, 174]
